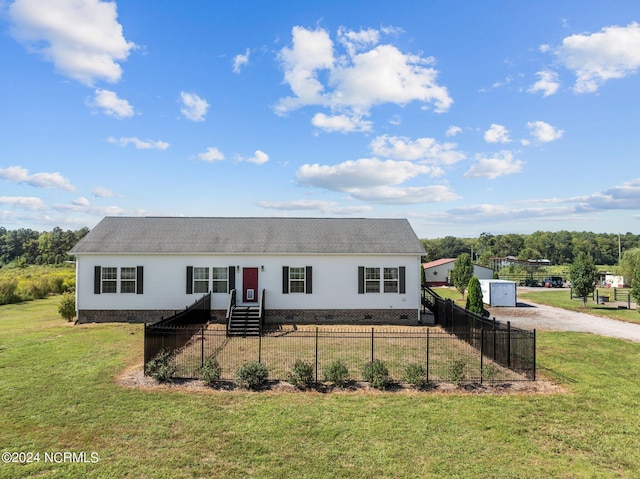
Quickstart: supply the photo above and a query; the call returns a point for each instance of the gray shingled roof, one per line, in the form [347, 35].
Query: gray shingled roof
[250, 235]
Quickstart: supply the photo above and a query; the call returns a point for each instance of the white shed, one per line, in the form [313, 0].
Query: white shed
[498, 292]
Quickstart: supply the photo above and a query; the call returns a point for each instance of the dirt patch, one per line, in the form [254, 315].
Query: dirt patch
[134, 378]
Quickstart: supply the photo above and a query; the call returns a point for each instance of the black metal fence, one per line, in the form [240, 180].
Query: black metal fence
[169, 333]
[510, 347]
[469, 344]
[443, 355]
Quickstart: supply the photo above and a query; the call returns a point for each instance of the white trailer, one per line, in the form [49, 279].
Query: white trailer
[498, 292]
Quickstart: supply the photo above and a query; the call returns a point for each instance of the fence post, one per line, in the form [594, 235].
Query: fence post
[427, 356]
[371, 344]
[260, 347]
[316, 355]
[615, 294]
[494, 339]
[509, 344]
[534, 354]
[628, 300]
[481, 351]
[202, 347]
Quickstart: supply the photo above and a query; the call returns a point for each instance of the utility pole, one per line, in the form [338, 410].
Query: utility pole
[619, 249]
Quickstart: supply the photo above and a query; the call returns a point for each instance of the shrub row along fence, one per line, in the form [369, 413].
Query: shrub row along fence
[443, 355]
[510, 347]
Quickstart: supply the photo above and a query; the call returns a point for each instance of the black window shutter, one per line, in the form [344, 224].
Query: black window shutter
[403, 282]
[232, 278]
[140, 279]
[97, 276]
[285, 280]
[360, 279]
[189, 279]
[308, 276]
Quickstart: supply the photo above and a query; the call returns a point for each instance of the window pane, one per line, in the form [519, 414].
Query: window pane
[390, 286]
[128, 287]
[108, 286]
[372, 287]
[201, 286]
[220, 273]
[296, 273]
[127, 273]
[391, 273]
[296, 287]
[372, 273]
[201, 273]
[109, 273]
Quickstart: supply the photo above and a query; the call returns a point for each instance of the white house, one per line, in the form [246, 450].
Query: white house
[139, 269]
[438, 272]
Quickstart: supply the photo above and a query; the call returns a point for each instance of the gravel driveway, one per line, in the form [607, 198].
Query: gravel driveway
[532, 315]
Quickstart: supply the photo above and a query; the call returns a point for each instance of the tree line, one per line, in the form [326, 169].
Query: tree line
[25, 246]
[561, 247]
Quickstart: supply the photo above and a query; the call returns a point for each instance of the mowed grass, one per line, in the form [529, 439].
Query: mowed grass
[59, 394]
[560, 298]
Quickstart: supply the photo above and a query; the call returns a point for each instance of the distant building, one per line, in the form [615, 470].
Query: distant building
[438, 272]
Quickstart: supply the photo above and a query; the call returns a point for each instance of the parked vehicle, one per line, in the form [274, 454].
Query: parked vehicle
[553, 282]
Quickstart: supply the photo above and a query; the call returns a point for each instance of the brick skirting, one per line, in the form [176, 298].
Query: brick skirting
[272, 316]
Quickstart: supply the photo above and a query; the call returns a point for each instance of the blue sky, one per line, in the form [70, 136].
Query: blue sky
[462, 116]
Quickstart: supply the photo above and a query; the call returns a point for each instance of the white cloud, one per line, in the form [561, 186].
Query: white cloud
[139, 144]
[258, 158]
[18, 174]
[405, 195]
[366, 75]
[614, 52]
[358, 41]
[622, 197]
[544, 132]
[82, 201]
[359, 174]
[427, 150]
[82, 38]
[101, 192]
[193, 108]
[25, 202]
[453, 130]
[340, 123]
[211, 154]
[112, 105]
[325, 207]
[547, 83]
[240, 61]
[497, 134]
[501, 164]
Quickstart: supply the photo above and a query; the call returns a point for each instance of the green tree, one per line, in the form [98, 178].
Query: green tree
[635, 285]
[583, 274]
[474, 298]
[462, 272]
[630, 262]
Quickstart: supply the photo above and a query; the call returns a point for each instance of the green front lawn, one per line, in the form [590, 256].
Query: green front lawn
[59, 394]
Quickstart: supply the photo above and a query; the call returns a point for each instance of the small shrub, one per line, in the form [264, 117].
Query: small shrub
[161, 367]
[67, 306]
[416, 375]
[376, 373]
[337, 373]
[252, 375]
[210, 372]
[490, 372]
[456, 371]
[301, 375]
[8, 293]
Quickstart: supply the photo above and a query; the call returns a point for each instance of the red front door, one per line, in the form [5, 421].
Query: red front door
[249, 285]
